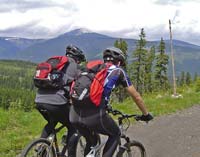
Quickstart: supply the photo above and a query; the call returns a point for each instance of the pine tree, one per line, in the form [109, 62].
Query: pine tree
[149, 69]
[162, 60]
[123, 46]
[188, 78]
[195, 77]
[138, 67]
[182, 79]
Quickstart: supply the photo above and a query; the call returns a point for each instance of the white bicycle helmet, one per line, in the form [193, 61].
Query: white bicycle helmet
[114, 54]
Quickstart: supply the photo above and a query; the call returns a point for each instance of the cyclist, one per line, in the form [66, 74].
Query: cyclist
[92, 120]
[56, 102]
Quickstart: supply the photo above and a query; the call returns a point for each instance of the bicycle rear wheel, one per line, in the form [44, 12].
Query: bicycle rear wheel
[39, 148]
[132, 149]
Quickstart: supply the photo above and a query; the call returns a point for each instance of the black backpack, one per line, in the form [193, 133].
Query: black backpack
[89, 85]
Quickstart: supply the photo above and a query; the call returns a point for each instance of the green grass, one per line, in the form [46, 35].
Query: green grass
[18, 128]
[163, 103]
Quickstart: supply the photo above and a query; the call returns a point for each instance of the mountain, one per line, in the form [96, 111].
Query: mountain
[7, 49]
[92, 44]
[187, 56]
[11, 46]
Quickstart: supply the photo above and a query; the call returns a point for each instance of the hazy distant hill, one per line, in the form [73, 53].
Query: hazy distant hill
[7, 49]
[187, 55]
[11, 46]
[91, 43]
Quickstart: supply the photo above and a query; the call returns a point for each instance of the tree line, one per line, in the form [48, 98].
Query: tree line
[148, 67]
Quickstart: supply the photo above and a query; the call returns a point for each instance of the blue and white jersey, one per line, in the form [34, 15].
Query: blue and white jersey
[115, 76]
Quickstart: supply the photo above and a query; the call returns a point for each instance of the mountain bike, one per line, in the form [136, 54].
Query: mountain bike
[130, 148]
[49, 147]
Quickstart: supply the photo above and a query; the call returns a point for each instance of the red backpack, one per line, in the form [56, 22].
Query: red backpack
[90, 83]
[49, 74]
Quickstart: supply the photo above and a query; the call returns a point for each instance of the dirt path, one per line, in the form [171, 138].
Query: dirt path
[175, 135]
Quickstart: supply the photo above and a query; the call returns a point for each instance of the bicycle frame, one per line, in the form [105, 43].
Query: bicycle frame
[94, 150]
[54, 142]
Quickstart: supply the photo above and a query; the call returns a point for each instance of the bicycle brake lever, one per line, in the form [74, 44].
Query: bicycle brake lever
[137, 118]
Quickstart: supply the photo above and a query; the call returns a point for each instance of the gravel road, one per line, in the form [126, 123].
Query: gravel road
[174, 135]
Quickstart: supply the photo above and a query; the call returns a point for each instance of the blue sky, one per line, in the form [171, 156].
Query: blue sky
[118, 18]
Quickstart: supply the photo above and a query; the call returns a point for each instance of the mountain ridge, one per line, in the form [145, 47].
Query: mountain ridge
[92, 43]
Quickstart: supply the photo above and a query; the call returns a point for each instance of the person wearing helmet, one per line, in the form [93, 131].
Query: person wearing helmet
[93, 121]
[54, 104]
[76, 53]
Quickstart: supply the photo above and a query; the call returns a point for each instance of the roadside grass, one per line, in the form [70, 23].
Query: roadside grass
[18, 128]
[162, 102]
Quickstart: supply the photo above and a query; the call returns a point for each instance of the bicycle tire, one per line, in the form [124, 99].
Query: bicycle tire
[126, 150]
[40, 147]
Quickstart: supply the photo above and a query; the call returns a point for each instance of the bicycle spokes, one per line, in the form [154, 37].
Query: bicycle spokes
[40, 150]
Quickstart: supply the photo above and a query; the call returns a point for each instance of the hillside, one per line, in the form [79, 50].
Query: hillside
[187, 55]
[10, 46]
[16, 84]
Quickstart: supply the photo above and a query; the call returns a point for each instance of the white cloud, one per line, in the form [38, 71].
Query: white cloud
[123, 18]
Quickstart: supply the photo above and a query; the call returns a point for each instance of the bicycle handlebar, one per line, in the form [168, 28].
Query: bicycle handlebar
[123, 116]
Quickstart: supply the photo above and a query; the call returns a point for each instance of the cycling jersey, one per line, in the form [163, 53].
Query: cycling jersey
[115, 76]
[88, 118]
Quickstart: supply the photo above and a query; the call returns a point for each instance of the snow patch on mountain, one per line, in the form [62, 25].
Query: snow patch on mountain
[80, 31]
[12, 38]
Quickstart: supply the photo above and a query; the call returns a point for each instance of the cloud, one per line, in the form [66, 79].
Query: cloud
[49, 17]
[22, 29]
[33, 31]
[25, 5]
[170, 2]
[21, 5]
[118, 18]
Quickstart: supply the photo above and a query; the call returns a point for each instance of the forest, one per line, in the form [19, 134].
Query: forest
[17, 89]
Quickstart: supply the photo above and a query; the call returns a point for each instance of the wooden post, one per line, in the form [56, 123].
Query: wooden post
[172, 57]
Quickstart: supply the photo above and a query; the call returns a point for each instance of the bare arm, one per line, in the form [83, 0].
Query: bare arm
[137, 98]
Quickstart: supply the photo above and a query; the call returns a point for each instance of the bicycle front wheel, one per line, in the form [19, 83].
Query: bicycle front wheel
[39, 148]
[132, 149]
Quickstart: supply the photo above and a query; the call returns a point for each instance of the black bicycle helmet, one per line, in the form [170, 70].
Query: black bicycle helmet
[114, 54]
[75, 52]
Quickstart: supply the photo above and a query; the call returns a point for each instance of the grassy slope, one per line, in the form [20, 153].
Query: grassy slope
[17, 128]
